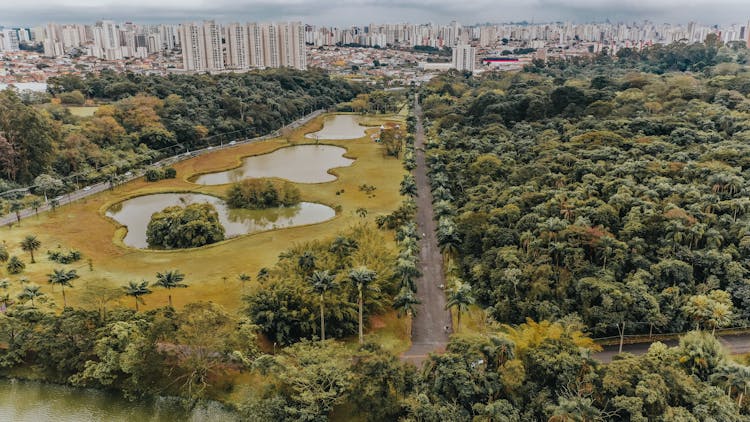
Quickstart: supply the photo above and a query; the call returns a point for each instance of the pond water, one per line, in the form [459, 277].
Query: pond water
[340, 126]
[136, 213]
[301, 163]
[22, 401]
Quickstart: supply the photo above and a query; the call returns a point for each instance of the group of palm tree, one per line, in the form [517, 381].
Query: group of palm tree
[172, 279]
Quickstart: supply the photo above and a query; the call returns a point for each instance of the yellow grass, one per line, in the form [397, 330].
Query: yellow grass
[211, 271]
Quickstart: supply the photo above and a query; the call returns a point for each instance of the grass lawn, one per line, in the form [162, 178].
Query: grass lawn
[211, 271]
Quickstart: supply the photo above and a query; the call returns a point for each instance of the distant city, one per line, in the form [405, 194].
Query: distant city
[33, 54]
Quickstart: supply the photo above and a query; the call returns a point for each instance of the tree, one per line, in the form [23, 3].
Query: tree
[404, 303]
[306, 263]
[62, 278]
[31, 292]
[362, 278]
[244, 278]
[137, 290]
[263, 274]
[192, 226]
[15, 265]
[16, 207]
[408, 186]
[4, 255]
[170, 280]
[714, 309]
[460, 298]
[30, 244]
[320, 283]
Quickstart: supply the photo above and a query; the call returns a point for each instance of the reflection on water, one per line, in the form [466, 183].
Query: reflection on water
[301, 163]
[340, 126]
[22, 401]
[136, 214]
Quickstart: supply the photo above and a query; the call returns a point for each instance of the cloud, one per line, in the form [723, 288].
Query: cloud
[348, 12]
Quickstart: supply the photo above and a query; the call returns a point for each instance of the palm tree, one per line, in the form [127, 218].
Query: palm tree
[4, 255]
[54, 203]
[15, 265]
[35, 204]
[31, 292]
[243, 279]
[320, 283]
[460, 298]
[404, 304]
[263, 274]
[137, 290]
[16, 207]
[30, 244]
[342, 247]
[361, 212]
[408, 186]
[170, 280]
[362, 278]
[62, 278]
[306, 263]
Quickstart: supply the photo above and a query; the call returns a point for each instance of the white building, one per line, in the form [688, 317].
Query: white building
[464, 57]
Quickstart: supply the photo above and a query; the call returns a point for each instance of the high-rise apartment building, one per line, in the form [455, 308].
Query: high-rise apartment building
[292, 45]
[464, 57]
[237, 46]
[193, 48]
[213, 46]
[9, 40]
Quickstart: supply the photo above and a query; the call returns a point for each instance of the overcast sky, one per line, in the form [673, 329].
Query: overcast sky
[349, 12]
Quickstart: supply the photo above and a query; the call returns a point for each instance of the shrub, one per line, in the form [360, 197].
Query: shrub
[170, 173]
[154, 174]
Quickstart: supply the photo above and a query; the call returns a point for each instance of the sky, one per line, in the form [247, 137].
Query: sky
[358, 12]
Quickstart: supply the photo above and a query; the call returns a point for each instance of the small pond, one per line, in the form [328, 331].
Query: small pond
[301, 164]
[340, 126]
[22, 401]
[136, 213]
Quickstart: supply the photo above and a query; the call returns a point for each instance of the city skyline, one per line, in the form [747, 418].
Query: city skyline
[356, 12]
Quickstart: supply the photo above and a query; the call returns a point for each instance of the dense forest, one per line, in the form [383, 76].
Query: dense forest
[600, 191]
[142, 118]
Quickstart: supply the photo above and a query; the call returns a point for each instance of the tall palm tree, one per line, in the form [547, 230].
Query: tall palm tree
[16, 207]
[36, 204]
[460, 298]
[362, 279]
[404, 303]
[342, 247]
[244, 278]
[320, 283]
[31, 292]
[137, 290]
[4, 255]
[170, 280]
[62, 278]
[30, 244]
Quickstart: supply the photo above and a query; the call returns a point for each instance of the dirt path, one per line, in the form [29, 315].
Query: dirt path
[432, 324]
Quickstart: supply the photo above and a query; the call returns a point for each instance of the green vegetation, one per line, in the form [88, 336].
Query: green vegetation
[191, 226]
[256, 194]
[154, 174]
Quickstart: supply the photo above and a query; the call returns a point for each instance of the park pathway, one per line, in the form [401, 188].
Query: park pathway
[432, 324]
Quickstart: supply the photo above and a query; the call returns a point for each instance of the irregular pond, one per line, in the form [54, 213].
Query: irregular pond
[22, 401]
[301, 163]
[340, 126]
[136, 213]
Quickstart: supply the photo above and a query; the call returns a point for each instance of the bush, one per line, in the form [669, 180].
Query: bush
[154, 174]
[64, 258]
[190, 227]
[255, 194]
[170, 173]
[74, 98]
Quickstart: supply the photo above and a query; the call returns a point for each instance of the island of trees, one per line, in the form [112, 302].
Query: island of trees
[191, 226]
[258, 194]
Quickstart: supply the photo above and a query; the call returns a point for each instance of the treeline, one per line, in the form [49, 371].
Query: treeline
[148, 116]
[597, 192]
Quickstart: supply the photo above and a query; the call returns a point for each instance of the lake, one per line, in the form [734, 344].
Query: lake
[25, 401]
[301, 163]
[340, 126]
[136, 213]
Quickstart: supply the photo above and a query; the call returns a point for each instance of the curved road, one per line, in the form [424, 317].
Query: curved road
[431, 325]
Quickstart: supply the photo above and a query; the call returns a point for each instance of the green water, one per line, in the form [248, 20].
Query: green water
[136, 213]
[22, 401]
[301, 164]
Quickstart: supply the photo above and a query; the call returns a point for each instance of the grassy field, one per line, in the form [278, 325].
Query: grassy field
[211, 271]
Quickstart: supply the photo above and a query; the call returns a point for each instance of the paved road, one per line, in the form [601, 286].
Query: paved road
[429, 331]
[102, 186]
[735, 343]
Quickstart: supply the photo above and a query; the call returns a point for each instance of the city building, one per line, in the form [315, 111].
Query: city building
[464, 57]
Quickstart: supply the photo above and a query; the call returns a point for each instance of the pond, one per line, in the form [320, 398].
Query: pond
[136, 213]
[301, 163]
[340, 126]
[22, 401]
